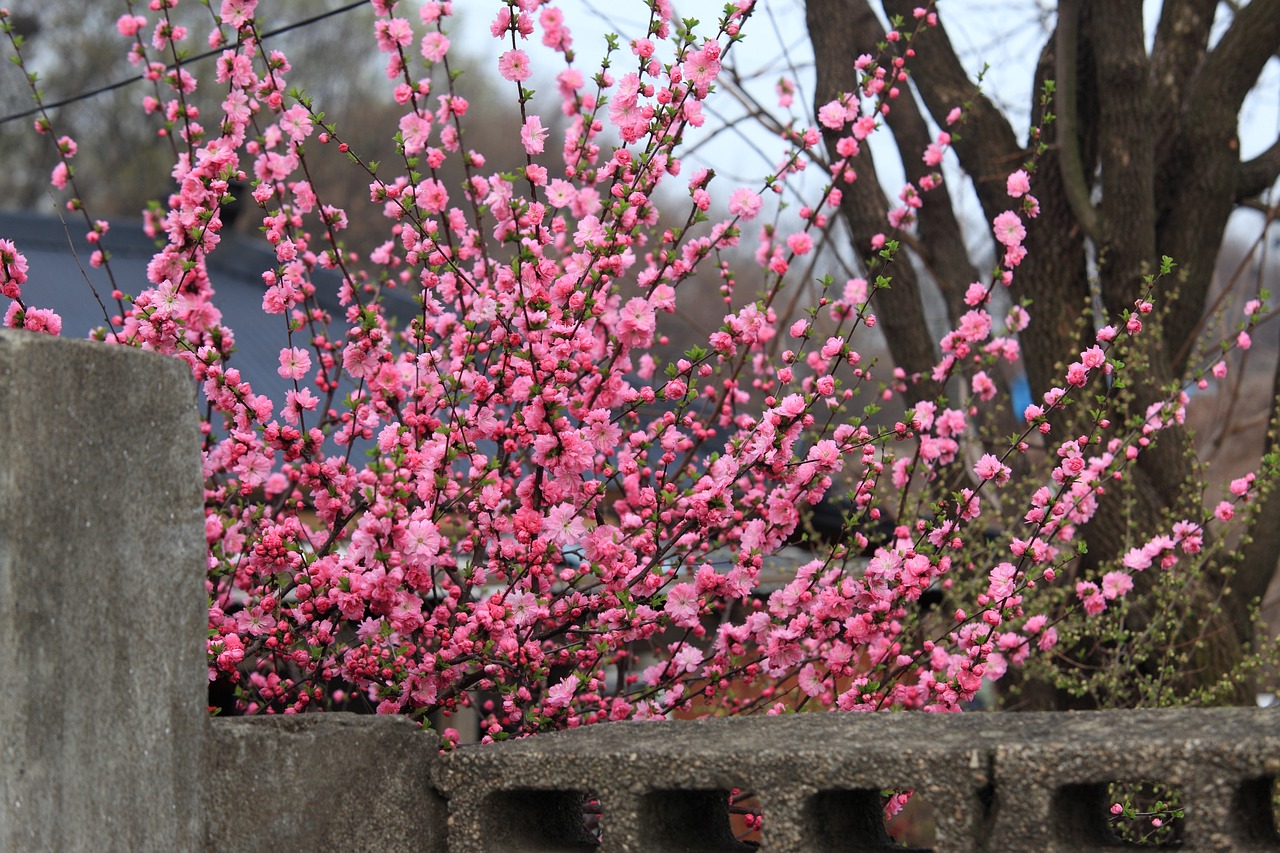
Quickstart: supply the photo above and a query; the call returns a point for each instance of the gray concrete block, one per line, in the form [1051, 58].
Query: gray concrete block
[102, 608]
[1052, 779]
[321, 782]
[996, 782]
[663, 785]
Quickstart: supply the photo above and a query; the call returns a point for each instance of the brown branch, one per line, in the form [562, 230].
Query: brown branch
[1261, 551]
[1258, 174]
[1200, 167]
[1231, 69]
[1181, 42]
[1066, 67]
[835, 25]
[940, 244]
[985, 142]
[1127, 248]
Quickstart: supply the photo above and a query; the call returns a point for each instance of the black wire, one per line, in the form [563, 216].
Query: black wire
[120, 84]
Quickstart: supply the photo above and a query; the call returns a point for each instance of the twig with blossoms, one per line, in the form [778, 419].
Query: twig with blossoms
[543, 498]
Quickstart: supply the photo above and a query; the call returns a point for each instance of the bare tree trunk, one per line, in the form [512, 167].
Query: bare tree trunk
[1141, 161]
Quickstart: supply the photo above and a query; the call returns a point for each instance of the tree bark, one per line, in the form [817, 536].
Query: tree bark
[1145, 164]
[837, 28]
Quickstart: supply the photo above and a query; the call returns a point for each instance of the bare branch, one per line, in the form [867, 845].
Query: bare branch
[986, 144]
[1065, 101]
[1231, 69]
[1258, 174]
[1128, 238]
[1181, 42]
[834, 25]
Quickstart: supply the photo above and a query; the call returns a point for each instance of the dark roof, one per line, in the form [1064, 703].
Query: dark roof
[57, 280]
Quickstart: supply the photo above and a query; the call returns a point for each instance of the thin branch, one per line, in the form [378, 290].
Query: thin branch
[1231, 69]
[985, 141]
[1065, 101]
[1258, 174]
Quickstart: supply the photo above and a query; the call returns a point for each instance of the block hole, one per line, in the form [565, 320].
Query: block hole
[706, 820]
[746, 816]
[1272, 787]
[1258, 805]
[870, 821]
[910, 819]
[1133, 813]
[1146, 813]
[540, 820]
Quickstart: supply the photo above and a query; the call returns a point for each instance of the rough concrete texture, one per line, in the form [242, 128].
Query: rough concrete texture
[1056, 768]
[998, 782]
[102, 609]
[321, 782]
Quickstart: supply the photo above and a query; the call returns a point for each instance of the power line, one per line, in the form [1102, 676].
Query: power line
[120, 84]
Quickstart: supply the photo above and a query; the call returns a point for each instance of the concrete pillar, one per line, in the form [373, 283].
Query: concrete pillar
[102, 614]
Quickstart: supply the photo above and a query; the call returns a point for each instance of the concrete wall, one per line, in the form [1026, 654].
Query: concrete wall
[106, 744]
[996, 782]
[322, 782]
[102, 611]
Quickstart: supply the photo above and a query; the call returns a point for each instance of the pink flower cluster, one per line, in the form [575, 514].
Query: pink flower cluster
[510, 494]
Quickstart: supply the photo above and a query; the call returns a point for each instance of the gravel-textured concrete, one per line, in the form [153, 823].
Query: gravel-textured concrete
[997, 782]
[322, 782]
[102, 611]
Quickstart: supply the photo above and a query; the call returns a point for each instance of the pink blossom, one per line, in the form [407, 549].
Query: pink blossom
[294, 363]
[1116, 584]
[800, 243]
[434, 46]
[701, 67]
[1018, 319]
[514, 65]
[533, 135]
[1008, 229]
[237, 13]
[513, 470]
[990, 468]
[1093, 600]
[683, 604]
[1137, 559]
[561, 693]
[687, 659]
[983, 386]
[1002, 581]
[744, 203]
[832, 115]
[13, 269]
[41, 320]
[1018, 184]
[130, 25]
[1241, 485]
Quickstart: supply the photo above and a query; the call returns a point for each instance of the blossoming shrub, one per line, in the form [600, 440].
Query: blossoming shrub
[512, 492]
